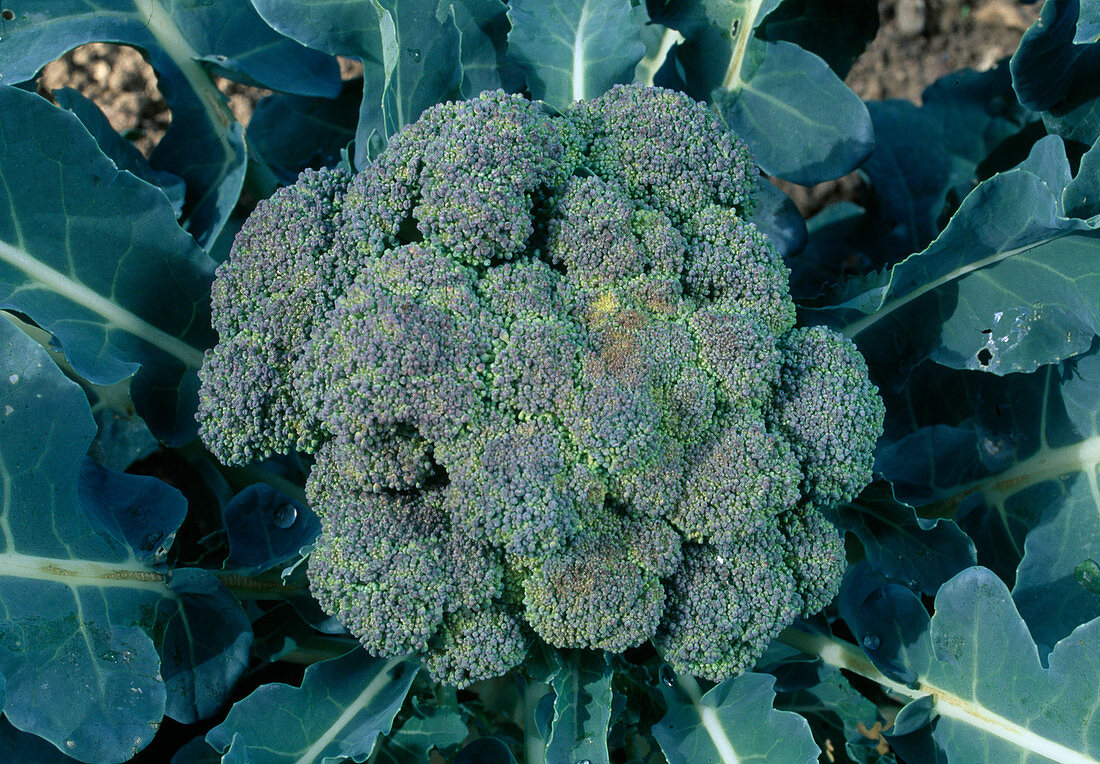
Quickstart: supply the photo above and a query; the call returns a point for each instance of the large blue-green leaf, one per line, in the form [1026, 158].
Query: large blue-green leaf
[976, 670]
[421, 61]
[733, 722]
[183, 40]
[342, 707]
[85, 608]
[582, 708]
[95, 257]
[1009, 285]
[575, 49]
[800, 121]
[412, 51]
[123, 153]
[804, 127]
[68, 589]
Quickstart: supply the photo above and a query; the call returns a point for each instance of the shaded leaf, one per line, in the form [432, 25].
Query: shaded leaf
[778, 217]
[485, 750]
[582, 708]
[204, 644]
[430, 728]
[922, 553]
[266, 528]
[1057, 71]
[294, 132]
[837, 32]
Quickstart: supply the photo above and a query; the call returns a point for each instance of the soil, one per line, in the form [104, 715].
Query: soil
[918, 42]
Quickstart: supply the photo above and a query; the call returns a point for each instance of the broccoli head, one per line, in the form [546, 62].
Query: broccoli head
[551, 381]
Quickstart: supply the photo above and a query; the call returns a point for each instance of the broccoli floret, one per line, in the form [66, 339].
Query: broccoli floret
[284, 273]
[604, 590]
[476, 645]
[551, 381]
[725, 604]
[668, 152]
[823, 373]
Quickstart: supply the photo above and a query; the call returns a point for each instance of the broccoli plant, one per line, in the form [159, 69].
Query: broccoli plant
[551, 379]
[485, 398]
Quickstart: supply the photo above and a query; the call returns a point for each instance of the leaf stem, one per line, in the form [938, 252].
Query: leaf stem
[742, 32]
[711, 723]
[649, 66]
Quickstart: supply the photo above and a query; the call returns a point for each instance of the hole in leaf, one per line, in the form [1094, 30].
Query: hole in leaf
[984, 356]
[987, 331]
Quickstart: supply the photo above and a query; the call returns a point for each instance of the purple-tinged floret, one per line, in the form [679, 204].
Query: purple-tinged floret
[829, 411]
[666, 150]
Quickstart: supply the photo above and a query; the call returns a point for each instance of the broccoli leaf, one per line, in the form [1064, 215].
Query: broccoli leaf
[837, 32]
[1056, 70]
[582, 708]
[432, 727]
[79, 251]
[294, 132]
[575, 50]
[485, 750]
[412, 56]
[420, 60]
[183, 40]
[804, 129]
[266, 528]
[993, 698]
[923, 553]
[121, 151]
[68, 588]
[342, 707]
[732, 722]
[1010, 284]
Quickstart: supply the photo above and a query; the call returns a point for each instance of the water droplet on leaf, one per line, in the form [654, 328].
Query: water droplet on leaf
[414, 54]
[284, 516]
[871, 641]
[667, 677]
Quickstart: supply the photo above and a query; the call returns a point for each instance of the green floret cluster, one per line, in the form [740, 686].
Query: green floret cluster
[551, 380]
